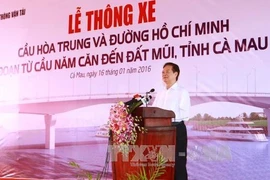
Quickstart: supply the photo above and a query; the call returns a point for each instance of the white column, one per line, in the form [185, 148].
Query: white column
[49, 131]
[267, 113]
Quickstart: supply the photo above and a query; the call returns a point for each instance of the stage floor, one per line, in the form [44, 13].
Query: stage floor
[41, 163]
[207, 160]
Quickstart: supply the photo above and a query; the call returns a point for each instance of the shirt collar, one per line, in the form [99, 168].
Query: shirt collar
[174, 86]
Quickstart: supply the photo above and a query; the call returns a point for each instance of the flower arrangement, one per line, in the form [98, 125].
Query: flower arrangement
[122, 124]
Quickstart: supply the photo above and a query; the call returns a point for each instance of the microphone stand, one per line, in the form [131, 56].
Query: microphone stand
[146, 99]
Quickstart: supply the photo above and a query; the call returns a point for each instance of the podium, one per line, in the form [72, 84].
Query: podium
[160, 137]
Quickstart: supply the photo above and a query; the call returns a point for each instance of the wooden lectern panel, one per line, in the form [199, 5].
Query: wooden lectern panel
[154, 117]
[143, 154]
[160, 137]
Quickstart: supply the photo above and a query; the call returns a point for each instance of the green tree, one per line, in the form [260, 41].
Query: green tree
[254, 116]
[197, 117]
[245, 116]
[207, 117]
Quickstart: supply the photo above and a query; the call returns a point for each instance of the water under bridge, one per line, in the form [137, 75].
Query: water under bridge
[49, 106]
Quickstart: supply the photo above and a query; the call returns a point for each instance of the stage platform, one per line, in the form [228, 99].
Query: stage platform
[207, 159]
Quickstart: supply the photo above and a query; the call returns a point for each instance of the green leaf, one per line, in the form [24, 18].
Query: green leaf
[73, 164]
[88, 175]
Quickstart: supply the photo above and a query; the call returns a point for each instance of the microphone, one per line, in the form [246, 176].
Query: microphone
[145, 100]
[147, 95]
[152, 90]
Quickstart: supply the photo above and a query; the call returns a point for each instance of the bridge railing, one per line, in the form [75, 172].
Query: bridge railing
[24, 99]
[252, 94]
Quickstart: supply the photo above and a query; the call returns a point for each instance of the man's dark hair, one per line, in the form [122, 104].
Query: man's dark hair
[175, 68]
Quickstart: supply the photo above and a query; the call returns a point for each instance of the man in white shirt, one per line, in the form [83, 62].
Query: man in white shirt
[176, 98]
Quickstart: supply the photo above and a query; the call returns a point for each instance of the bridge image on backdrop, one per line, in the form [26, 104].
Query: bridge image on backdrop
[50, 106]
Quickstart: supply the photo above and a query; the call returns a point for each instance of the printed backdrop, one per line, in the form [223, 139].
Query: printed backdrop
[54, 53]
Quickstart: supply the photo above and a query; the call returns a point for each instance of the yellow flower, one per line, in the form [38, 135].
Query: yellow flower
[121, 103]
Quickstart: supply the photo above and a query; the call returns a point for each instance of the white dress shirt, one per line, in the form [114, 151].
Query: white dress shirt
[177, 99]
